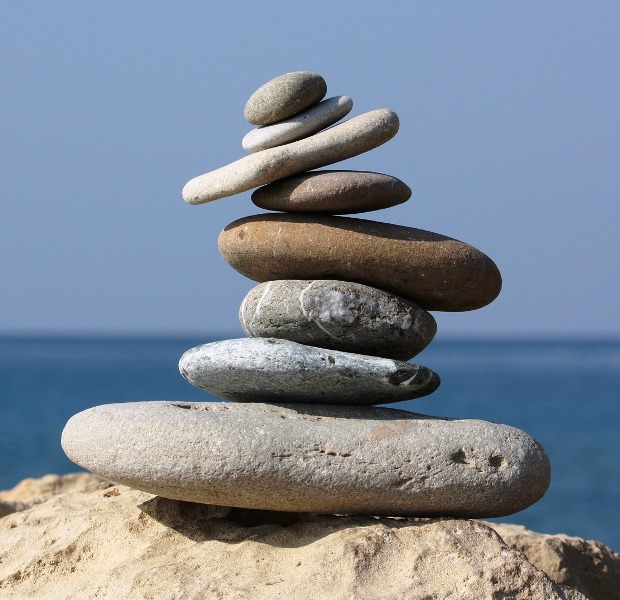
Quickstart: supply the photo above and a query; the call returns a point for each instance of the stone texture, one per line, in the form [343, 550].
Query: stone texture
[284, 96]
[332, 192]
[311, 458]
[587, 566]
[353, 137]
[272, 370]
[299, 126]
[434, 271]
[117, 542]
[340, 315]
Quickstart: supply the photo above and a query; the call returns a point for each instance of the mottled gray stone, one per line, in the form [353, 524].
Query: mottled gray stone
[273, 370]
[332, 192]
[341, 315]
[299, 126]
[284, 96]
[353, 137]
[315, 458]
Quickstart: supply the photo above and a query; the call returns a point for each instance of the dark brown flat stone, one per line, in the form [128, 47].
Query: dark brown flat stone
[434, 271]
[332, 192]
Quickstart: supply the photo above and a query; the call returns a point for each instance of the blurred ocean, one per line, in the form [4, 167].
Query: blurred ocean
[566, 394]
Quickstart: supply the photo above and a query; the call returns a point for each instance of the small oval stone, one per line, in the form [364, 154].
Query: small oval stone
[332, 192]
[434, 271]
[298, 126]
[311, 458]
[273, 370]
[353, 137]
[340, 315]
[284, 96]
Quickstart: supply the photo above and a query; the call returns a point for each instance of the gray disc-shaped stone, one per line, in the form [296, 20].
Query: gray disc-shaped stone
[341, 315]
[298, 126]
[272, 370]
[329, 459]
[353, 137]
[284, 96]
[332, 192]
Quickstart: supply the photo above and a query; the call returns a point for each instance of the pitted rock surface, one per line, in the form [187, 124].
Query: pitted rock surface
[337, 314]
[353, 137]
[332, 192]
[434, 271]
[275, 370]
[299, 126]
[284, 96]
[311, 458]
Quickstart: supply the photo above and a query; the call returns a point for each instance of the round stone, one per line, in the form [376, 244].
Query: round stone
[284, 96]
[273, 370]
[299, 126]
[434, 271]
[311, 458]
[332, 192]
[340, 315]
[353, 137]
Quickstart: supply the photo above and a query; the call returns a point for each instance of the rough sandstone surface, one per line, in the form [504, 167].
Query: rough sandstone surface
[298, 126]
[340, 315]
[109, 542]
[434, 271]
[284, 96]
[311, 458]
[353, 137]
[276, 370]
[332, 192]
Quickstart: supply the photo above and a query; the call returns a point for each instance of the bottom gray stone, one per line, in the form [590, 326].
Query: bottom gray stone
[311, 458]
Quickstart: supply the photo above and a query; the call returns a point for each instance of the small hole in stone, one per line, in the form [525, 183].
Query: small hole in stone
[458, 457]
[496, 461]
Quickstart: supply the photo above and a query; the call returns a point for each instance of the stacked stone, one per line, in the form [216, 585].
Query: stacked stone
[342, 305]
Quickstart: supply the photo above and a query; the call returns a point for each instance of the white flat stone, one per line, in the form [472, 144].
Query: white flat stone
[311, 458]
[299, 126]
[276, 370]
[353, 137]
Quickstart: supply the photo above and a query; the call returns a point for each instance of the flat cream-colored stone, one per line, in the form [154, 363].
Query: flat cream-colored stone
[432, 270]
[298, 126]
[353, 137]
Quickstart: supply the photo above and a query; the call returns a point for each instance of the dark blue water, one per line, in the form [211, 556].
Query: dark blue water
[566, 394]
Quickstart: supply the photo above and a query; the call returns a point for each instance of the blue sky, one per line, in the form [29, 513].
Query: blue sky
[510, 140]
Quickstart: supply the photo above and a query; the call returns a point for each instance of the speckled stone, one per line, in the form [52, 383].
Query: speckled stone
[340, 315]
[298, 126]
[434, 271]
[353, 137]
[284, 96]
[272, 370]
[311, 458]
[332, 192]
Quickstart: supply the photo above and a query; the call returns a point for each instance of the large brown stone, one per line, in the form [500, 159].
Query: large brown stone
[434, 271]
[332, 192]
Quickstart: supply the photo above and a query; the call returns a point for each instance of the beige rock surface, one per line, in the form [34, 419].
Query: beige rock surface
[111, 542]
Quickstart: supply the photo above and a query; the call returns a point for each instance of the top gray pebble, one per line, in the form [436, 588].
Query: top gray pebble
[284, 97]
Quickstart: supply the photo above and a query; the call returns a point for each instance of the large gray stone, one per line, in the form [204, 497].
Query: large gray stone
[332, 192]
[341, 315]
[353, 137]
[284, 96]
[272, 370]
[298, 126]
[315, 458]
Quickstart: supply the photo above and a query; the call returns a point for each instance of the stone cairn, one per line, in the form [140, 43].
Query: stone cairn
[342, 306]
